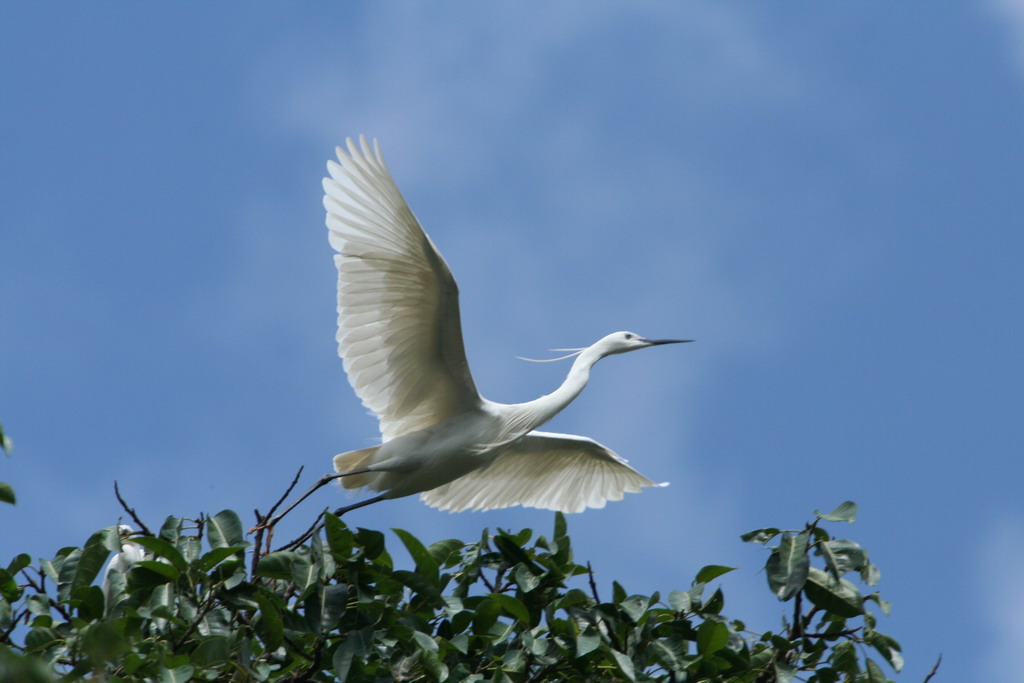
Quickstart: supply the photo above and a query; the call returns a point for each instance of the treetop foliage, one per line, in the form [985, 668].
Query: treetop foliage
[196, 601]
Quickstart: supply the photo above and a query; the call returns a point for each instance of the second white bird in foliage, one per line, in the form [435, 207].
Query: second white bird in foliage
[400, 336]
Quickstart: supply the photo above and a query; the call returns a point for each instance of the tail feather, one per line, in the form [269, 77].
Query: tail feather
[355, 460]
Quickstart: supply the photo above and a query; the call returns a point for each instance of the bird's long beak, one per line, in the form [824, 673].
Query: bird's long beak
[656, 342]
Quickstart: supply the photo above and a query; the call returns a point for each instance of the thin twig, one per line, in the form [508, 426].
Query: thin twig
[39, 589]
[256, 555]
[321, 482]
[210, 602]
[5, 637]
[287, 491]
[935, 669]
[609, 631]
[131, 511]
[544, 674]
[593, 586]
[307, 535]
[314, 666]
[833, 636]
[797, 629]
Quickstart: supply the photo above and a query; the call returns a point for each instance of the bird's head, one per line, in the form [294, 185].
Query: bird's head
[622, 342]
[616, 342]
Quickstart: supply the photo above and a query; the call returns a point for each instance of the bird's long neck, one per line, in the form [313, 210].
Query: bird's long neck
[533, 414]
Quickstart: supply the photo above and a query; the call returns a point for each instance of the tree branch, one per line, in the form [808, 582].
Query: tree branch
[304, 537]
[39, 589]
[131, 512]
[935, 669]
[593, 585]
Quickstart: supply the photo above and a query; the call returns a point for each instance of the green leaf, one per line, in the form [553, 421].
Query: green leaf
[39, 639]
[870, 575]
[179, 674]
[277, 565]
[487, 612]
[6, 445]
[561, 529]
[9, 589]
[887, 647]
[211, 651]
[884, 605]
[304, 573]
[102, 643]
[424, 641]
[371, 541]
[433, 664]
[422, 587]
[848, 556]
[625, 665]
[513, 553]
[844, 658]
[845, 512]
[761, 536]
[19, 562]
[587, 641]
[90, 602]
[148, 574]
[714, 604]
[665, 655]
[712, 636]
[357, 645]
[82, 565]
[634, 606]
[270, 626]
[335, 598]
[839, 597]
[161, 548]
[339, 538]
[425, 562]
[712, 572]
[214, 557]
[512, 607]
[784, 673]
[524, 578]
[875, 674]
[679, 601]
[171, 529]
[225, 529]
[7, 493]
[788, 564]
[163, 568]
[441, 551]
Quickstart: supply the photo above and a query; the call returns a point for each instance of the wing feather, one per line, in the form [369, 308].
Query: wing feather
[543, 470]
[399, 330]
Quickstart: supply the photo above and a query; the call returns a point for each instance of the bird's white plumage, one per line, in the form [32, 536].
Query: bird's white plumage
[543, 470]
[398, 305]
[400, 337]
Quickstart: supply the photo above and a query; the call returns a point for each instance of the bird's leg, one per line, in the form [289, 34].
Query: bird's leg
[337, 513]
[321, 482]
[363, 503]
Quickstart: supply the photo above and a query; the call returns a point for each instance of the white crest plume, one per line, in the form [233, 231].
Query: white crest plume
[575, 352]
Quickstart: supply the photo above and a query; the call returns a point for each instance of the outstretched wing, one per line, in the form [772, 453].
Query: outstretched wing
[399, 331]
[543, 470]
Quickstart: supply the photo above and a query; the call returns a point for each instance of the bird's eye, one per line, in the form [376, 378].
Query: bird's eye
[629, 336]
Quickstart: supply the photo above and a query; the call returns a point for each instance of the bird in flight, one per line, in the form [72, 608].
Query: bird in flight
[400, 338]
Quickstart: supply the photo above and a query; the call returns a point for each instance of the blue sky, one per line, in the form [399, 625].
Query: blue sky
[827, 196]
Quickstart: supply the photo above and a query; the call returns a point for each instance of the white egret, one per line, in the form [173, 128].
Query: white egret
[400, 337]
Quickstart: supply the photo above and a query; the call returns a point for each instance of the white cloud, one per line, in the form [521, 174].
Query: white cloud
[430, 80]
[1012, 13]
[1002, 556]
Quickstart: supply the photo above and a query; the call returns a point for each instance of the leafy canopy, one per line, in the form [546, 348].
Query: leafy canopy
[195, 601]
